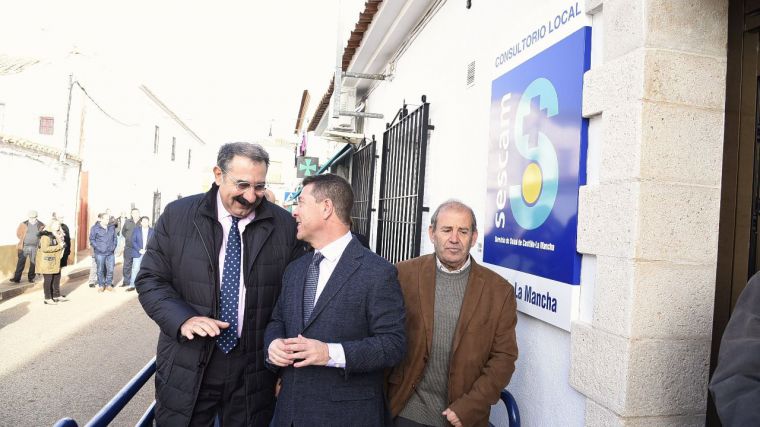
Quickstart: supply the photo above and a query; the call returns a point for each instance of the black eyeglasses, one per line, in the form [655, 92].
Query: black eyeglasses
[244, 186]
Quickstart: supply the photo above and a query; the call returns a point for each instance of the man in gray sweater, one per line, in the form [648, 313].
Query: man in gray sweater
[27, 233]
[460, 328]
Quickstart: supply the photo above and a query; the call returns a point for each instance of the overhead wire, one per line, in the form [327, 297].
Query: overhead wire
[101, 108]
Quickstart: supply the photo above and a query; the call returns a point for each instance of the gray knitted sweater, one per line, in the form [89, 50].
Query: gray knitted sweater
[431, 395]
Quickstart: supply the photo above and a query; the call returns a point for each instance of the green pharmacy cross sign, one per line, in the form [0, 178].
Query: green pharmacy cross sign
[307, 166]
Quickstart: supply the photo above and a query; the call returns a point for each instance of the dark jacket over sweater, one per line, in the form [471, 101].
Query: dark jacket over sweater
[735, 385]
[21, 232]
[484, 349]
[179, 279]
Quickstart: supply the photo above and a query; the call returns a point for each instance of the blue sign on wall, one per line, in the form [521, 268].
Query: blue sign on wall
[537, 151]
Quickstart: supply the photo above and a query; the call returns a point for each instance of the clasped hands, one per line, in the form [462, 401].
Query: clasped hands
[299, 352]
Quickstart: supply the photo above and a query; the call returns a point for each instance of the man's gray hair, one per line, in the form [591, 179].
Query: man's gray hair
[253, 151]
[453, 204]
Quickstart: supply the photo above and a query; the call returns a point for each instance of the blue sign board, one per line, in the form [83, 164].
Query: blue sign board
[537, 150]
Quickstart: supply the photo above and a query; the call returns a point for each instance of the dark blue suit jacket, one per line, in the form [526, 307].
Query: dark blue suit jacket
[361, 308]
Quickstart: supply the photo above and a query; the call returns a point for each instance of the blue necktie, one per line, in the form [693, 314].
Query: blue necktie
[310, 289]
[228, 307]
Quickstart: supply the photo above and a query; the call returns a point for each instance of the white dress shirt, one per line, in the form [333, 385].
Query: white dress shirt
[446, 270]
[332, 253]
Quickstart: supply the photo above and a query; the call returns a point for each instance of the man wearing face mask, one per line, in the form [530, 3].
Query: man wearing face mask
[210, 278]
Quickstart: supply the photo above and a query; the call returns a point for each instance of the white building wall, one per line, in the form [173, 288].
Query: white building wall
[124, 168]
[435, 64]
[117, 151]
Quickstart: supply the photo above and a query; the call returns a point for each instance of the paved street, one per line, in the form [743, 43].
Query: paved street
[70, 359]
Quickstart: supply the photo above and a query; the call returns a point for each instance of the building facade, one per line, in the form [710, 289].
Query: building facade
[589, 138]
[74, 144]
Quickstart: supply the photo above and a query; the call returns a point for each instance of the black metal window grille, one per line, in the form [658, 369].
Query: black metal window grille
[362, 179]
[402, 184]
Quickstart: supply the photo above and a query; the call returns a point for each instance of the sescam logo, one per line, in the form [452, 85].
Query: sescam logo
[533, 199]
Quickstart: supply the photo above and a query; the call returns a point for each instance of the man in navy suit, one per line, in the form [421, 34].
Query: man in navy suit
[339, 320]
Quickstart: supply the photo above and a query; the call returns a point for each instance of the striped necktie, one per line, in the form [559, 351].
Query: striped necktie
[310, 289]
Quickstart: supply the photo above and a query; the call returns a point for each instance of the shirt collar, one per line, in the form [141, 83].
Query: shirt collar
[335, 249]
[446, 270]
[221, 211]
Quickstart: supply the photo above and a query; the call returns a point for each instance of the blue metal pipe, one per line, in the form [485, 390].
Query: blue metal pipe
[112, 408]
[66, 422]
[512, 411]
[147, 419]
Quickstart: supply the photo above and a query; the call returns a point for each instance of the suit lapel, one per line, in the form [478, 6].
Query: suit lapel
[427, 297]
[298, 281]
[472, 295]
[347, 265]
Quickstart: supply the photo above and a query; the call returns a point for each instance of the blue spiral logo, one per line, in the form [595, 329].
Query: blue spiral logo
[533, 199]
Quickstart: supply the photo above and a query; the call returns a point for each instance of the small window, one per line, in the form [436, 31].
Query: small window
[189, 156]
[46, 125]
[174, 148]
[155, 141]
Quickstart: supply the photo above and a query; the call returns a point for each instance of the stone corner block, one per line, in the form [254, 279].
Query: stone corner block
[613, 295]
[678, 223]
[667, 377]
[607, 219]
[599, 416]
[616, 82]
[672, 300]
[670, 134]
[624, 28]
[686, 25]
[598, 362]
[685, 78]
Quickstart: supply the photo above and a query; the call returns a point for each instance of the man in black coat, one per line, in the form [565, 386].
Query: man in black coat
[735, 385]
[126, 231]
[210, 278]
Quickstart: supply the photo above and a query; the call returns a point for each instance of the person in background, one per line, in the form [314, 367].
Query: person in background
[126, 231]
[93, 278]
[271, 197]
[103, 242]
[28, 240]
[49, 262]
[735, 385]
[66, 235]
[138, 245]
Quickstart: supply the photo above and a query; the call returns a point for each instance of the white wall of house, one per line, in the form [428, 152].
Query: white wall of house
[435, 64]
[117, 151]
[126, 168]
[648, 214]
